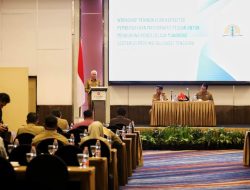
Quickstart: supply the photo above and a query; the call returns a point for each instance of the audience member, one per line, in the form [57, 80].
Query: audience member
[120, 118]
[95, 131]
[50, 131]
[4, 100]
[61, 123]
[203, 94]
[88, 119]
[114, 137]
[32, 125]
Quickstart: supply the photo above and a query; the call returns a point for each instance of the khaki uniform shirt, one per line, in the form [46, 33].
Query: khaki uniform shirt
[156, 97]
[62, 123]
[204, 96]
[47, 134]
[31, 128]
[91, 83]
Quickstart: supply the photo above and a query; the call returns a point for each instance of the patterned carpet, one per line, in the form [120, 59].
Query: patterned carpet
[221, 169]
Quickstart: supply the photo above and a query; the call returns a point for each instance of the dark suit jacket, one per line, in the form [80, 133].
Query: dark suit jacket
[119, 120]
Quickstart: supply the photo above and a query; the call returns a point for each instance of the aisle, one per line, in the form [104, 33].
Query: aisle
[220, 169]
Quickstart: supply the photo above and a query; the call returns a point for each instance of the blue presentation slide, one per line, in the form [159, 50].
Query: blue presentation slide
[179, 40]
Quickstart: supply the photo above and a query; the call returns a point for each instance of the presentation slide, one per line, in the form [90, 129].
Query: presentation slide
[179, 40]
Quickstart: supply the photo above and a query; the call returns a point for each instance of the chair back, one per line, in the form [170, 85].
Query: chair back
[68, 154]
[105, 149]
[118, 126]
[47, 172]
[43, 145]
[7, 174]
[25, 138]
[83, 127]
[18, 154]
[76, 133]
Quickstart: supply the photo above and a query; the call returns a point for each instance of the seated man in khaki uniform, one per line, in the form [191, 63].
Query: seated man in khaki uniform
[50, 132]
[61, 123]
[159, 95]
[31, 127]
[203, 94]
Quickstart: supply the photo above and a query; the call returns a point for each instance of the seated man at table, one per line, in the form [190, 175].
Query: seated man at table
[120, 118]
[50, 132]
[31, 127]
[61, 123]
[159, 95]
[88, 119]
[203, 94]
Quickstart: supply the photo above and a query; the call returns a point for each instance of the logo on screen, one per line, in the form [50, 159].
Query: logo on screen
[232, 30]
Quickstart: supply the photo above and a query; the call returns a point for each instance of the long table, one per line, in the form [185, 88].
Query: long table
[86, 176]
[199, 113]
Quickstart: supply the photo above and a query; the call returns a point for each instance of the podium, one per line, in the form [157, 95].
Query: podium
[98, 98]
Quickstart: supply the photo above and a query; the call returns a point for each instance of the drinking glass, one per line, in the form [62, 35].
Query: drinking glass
[10, 147]
[29, 156]
[80, 159]
[51, 149]
[93, 150]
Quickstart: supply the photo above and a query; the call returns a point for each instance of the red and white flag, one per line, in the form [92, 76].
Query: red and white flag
[80, 78]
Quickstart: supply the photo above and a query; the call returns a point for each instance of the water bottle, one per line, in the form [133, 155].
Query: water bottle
[117, 133]
[33, 151]
[129, 129]
[123, 132]
[16, 143]
[109, 139]
[133, 125]
[55, 143]
[85, 157]
[98, 148]
[72, 139]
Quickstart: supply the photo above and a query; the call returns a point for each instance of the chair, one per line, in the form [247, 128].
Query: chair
[121, 162]
[18, 154]
[76, 133]
[47, 172]
[25, 138]
[83, 127]
[68, 154]
[7, 175]
[43, 145]
[105, 152]
[105, 149]
[118, 126]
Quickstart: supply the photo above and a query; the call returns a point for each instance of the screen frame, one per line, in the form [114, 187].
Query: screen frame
[117, 83]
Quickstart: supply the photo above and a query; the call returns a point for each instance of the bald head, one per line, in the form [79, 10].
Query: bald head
[93, 74]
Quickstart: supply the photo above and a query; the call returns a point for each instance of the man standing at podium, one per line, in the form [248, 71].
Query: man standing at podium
[92, 82]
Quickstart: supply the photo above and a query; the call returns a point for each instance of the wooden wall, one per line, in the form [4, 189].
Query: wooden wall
[226, 115]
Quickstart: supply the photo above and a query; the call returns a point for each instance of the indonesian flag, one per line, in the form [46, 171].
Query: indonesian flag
[80, 78]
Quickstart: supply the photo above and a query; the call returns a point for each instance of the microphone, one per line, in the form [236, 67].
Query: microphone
[171, 95]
